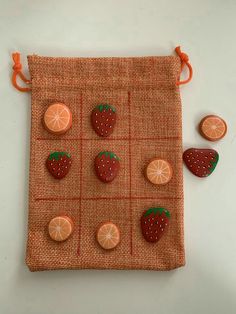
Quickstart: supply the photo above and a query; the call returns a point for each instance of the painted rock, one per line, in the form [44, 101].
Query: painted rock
[57, 118]
[60, 228]
[108, 235]
[201, 162]
[212, 128]
[107, 166]
[103, 119]
[159, 171]
[58, 164]
[154, 223]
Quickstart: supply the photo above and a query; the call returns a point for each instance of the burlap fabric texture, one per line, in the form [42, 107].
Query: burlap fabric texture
[149, 124]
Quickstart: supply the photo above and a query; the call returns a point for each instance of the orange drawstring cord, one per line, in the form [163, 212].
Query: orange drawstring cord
[184, 61]
[17, 71]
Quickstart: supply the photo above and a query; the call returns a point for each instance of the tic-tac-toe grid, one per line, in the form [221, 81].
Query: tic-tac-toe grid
[148, 125]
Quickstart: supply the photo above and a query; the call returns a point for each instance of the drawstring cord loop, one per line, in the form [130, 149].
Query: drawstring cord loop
[17, 67]
[184, 61]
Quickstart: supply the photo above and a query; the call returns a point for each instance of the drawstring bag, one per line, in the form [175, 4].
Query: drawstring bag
[106, 225]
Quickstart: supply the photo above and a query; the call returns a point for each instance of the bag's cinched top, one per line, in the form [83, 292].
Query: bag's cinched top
[17, 67]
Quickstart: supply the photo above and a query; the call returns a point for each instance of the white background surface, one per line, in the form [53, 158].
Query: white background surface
[206, 31]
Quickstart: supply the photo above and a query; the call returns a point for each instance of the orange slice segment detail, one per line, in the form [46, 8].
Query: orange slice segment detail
[159, 171]
[57, 118]
[108, 236]
[60, 228]
[213, 128]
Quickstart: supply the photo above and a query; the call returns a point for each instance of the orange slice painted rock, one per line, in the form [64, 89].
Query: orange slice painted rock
[159, 171]
[213, 128]
[108, 235]
[58, 118]
[60, 228]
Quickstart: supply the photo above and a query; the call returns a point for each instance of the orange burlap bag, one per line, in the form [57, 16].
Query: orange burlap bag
[145, 92]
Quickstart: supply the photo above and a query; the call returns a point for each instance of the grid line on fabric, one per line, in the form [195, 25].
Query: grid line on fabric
[81, 176]
[105, 198]
[130, 178]
[111, 139]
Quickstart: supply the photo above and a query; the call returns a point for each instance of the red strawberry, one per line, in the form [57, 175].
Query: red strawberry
[201, 162]
[107, 166]
[154, 222]
[103, 119]
[58, 164]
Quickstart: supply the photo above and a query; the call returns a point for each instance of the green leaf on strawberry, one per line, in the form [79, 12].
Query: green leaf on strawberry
[57, 155]
[108, 154]
[214, 163]
[157, 210]
[105, 107]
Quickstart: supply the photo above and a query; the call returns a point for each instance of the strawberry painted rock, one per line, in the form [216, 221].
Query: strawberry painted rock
[58, 164]
[154, 222]
[107, 166]
[103, 119]
[201, 162]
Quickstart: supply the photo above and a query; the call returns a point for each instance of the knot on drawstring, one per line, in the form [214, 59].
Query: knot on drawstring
[16, 59]
[17, 67]
[184, 61]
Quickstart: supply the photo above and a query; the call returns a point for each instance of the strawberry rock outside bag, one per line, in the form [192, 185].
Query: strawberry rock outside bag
[145, 93]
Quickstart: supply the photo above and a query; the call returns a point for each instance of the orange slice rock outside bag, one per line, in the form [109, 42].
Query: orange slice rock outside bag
[60, 228]
[57, 118]
[159, 171]
[108, 235]
[212, 128]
